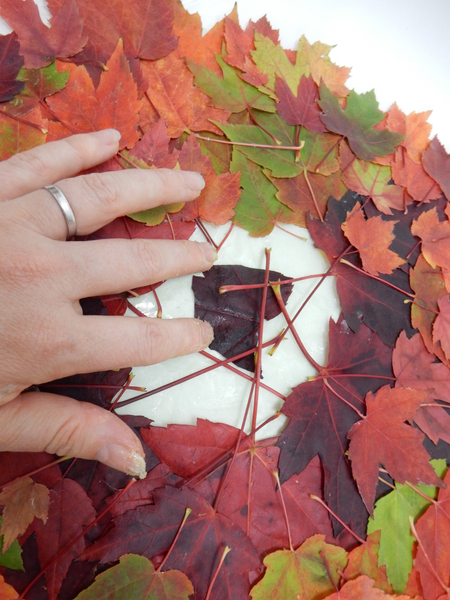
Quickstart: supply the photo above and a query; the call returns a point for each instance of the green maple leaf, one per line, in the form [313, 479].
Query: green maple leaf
[301, 574]
[43, 82]
[272, 59]
[135, 577]
[230, 93]
[282, 163]
[258, 209]
[12, 558]
[356, 122]
[391, 516]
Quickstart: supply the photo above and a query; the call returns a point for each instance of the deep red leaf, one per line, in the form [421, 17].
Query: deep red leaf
[235, 315]
[10, 64]
[303, 108]
[149, 531]
[320, 419]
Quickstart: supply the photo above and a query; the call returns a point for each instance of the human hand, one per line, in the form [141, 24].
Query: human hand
[44, 335]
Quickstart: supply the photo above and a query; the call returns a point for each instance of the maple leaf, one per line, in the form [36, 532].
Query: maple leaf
[183, 106]
[217, 200]
[240, 43]
[16, 136]
[441, 326]
[258, 210]
[314, 60]
[433, 531]
[154, 149]
[302, 573]
[39, 44]
[414, 367]
[7, 592]
[272, 59]
[383, 437]
[415, 129]
[363, 299]
[301, 109]
[428, 284]
[363, 560]
[320, 419]
[362, 587]
[318, 150]
[135, 577]
[435, 236]
[145, 26]
[113, 104]
[70, 511]
[199, 48]
[296, 193]
[413, 177]
[436, 163]
[10, 558]
[235, 316]
[23, 501]
[368, 179]
[356, 123]
[10, 64]
[372, 238]
[391, 517]
[149, 530]
[229, 93]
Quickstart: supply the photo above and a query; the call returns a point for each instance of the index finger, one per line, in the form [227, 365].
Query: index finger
[33, 169]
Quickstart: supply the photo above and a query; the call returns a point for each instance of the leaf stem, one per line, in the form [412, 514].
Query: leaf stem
[277, 477]
[224, 553]
[309, 358]
[252, 118]
[360, 540]
[186, 515]
[79, 537]
[346, 262]
[205, 232]
[225, 238]
[208, 139]
[24, 121]
[343, 399]
[252, 286]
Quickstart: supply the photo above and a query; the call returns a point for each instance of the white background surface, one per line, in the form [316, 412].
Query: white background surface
[400, 48]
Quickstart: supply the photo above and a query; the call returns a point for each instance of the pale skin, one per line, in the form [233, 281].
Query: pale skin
[43, 334]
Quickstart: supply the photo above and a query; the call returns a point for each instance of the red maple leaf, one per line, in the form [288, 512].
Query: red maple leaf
[39, 44]
[436, 162]
[10, 64]
[321, 413]
[303, 108]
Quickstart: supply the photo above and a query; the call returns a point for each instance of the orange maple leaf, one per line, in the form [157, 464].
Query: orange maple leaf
[217, 201]
[81, 108]
[414, 126]
[372, 238]
[441, 327]
[413, 177]
[383, 437]
[183, 106]
[23, 500]
[7, 592]
[362, 587]
[192, 44]
[435, 236]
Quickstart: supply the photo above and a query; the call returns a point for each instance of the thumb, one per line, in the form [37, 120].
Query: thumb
[41, 422]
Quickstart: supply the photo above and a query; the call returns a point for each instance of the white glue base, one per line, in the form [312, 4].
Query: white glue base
[221, 396]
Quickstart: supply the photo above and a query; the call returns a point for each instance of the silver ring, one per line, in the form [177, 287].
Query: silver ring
[66, 209]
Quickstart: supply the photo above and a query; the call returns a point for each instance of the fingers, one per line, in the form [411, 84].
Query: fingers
[116, 342]
[40, 422]
[43, 165]
[97, 199]
[112, 266]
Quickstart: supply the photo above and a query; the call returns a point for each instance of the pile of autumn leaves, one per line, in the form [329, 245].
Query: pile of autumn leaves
[372, 190]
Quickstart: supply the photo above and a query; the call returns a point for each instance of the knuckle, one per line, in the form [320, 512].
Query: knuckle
[29, 162]
[153, 342]
[103, 190]
[67, 439]
[147, 258]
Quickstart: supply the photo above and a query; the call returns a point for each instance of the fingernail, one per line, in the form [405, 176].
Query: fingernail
[194, 181]
[122, 459]
[209, 252]
[108, 136]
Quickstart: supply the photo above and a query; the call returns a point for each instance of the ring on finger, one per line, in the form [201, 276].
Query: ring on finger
[65, 208]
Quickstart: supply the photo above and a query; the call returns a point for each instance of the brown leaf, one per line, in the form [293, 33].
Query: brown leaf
[23, 500]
